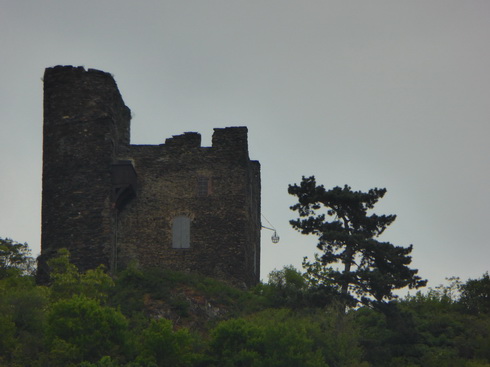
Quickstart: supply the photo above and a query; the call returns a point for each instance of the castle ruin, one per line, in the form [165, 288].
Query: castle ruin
[176, 205]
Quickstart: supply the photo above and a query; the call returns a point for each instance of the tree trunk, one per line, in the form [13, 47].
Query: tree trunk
[349, 254]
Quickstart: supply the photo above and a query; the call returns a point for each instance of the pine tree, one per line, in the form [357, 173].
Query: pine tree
[370, 270]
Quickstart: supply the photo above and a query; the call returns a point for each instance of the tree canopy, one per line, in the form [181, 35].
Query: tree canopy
[15, 257]
[475, 294]
[348, 235]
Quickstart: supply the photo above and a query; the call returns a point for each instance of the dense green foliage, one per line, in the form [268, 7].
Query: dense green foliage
[15, 257]
[348, 236]
[475, 295]
[160, 318]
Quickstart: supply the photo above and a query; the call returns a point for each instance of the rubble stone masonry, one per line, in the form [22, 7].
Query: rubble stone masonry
[176, 205]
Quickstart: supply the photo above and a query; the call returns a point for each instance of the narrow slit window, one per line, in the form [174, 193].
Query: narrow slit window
[203, 186]
[181, 232]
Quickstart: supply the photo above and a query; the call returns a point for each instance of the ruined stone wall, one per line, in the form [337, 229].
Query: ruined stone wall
[224, 220]
[86, 129]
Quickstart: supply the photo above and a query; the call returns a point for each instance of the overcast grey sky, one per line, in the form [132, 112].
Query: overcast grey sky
[391, 94]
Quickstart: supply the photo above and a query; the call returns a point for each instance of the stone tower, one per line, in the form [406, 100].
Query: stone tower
[176, 205]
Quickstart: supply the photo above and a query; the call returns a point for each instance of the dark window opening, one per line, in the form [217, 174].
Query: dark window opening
[124, 179]
[203, 186]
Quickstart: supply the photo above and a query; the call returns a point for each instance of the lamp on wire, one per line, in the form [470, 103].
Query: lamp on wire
[274, 237]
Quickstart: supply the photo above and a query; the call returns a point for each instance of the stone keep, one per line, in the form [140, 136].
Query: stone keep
[176, 205]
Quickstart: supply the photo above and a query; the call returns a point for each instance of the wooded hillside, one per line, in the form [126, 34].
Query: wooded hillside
[158, 318]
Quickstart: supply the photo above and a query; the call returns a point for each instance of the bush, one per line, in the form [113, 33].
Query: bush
[80, 329]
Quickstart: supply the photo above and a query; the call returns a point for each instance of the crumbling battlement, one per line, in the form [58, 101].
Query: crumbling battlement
[176, 205]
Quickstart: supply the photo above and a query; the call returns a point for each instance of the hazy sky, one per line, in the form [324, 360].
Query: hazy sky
[391, 94]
